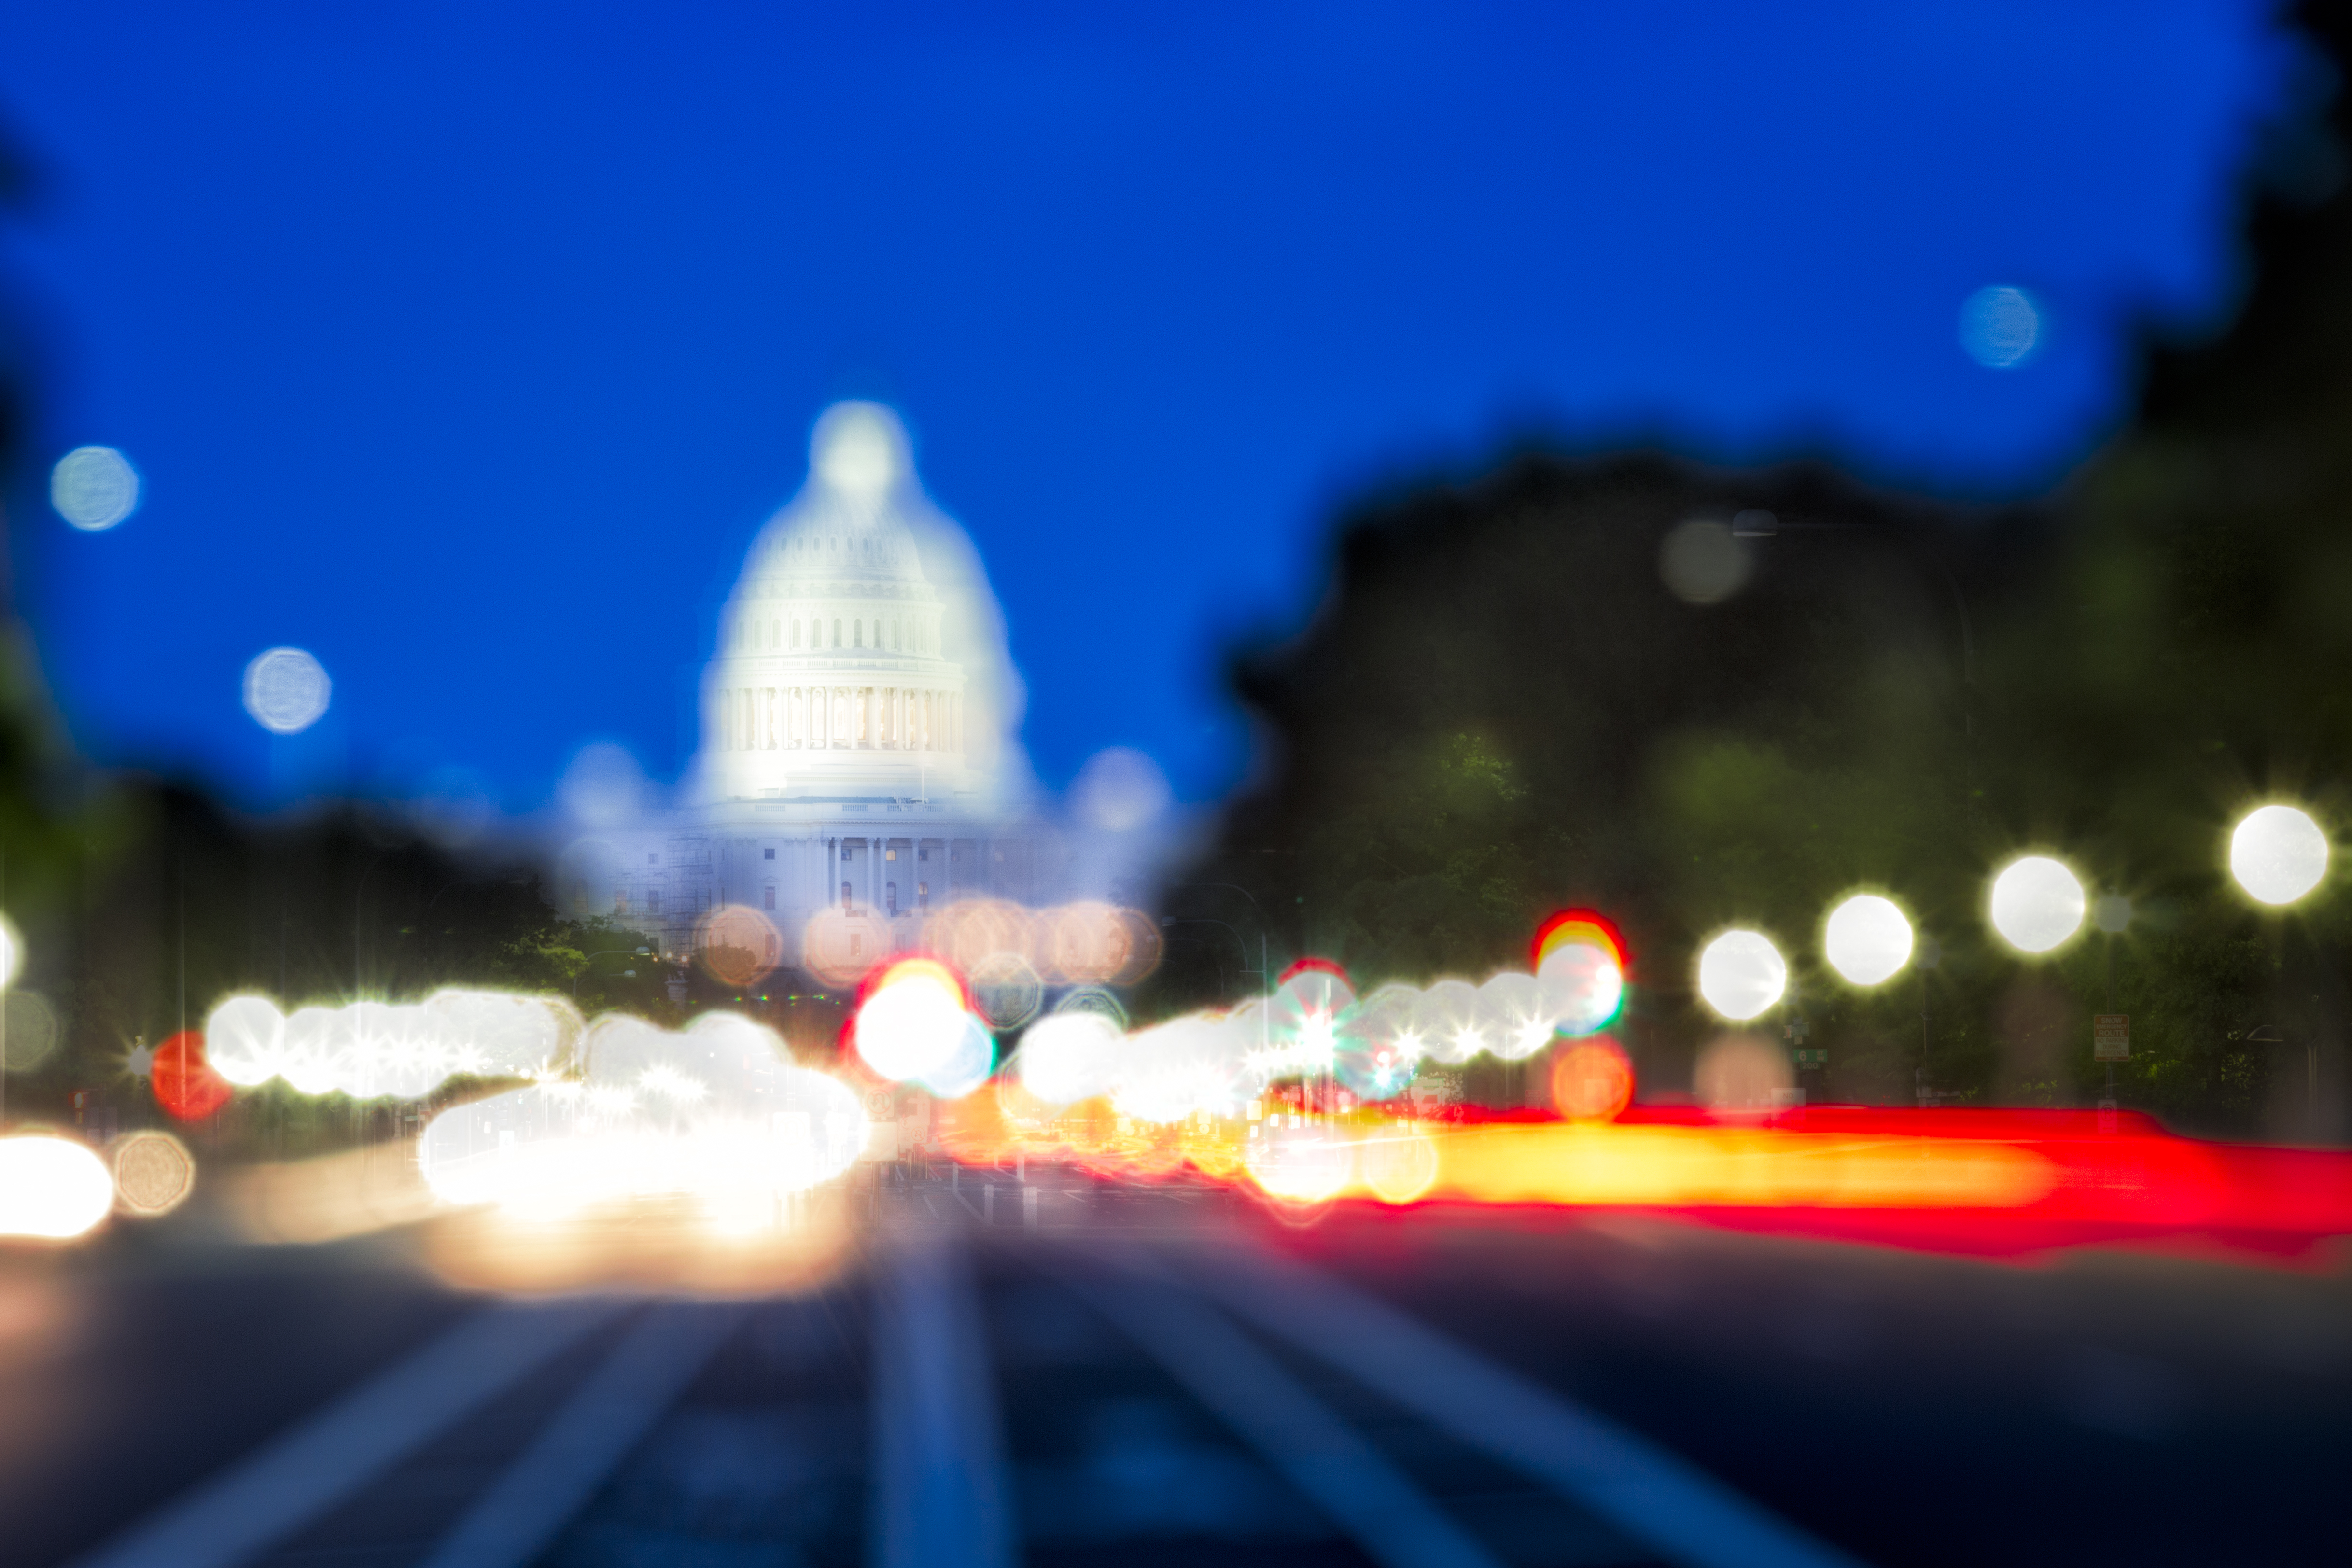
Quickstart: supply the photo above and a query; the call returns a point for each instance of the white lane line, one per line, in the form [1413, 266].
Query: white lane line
[1646, 1490]
[1371, 1501]
[941, 1495]
[527, 1507]
[301, 1474]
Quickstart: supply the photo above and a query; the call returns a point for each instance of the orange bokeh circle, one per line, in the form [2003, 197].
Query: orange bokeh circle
[1592, 1080]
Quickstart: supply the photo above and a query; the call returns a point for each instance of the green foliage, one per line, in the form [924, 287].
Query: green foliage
[1501, 711]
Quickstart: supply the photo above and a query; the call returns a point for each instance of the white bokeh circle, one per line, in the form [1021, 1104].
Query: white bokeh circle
[2037, 903]
[94, 487]
[2278, 853]
[287, 691]
[1867, 939]
[1741, 973]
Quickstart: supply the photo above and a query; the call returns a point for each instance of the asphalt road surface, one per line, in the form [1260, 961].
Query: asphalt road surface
[1147, 1375]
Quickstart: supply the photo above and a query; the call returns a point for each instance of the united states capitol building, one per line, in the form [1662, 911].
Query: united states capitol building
[856, 766]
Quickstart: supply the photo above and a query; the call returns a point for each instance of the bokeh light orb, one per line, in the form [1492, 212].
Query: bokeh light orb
[1094, 1000]
[1007, 990]
[1741, 1072]
[94, 487]
[967, 1064]
[2278, 853]
[912, 1023]
[1068, 1056]
[52, 1188]
[2037, 903]
[1397, 1165]
[1446, 1021]
[183, 1082]
[1592, 1080]
[1118, 790]
[1867, 940]
[287, 691]
[2000, 327]
[28, 1030]
[738, 945]
[1379, 1045]
[1741, 973]
[153, 1172]
[1582, 986]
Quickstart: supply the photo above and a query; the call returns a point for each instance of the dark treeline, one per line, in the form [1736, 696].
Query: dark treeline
[1501, 709]
[145, 905]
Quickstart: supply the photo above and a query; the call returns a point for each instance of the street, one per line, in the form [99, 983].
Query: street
[1164, 1374]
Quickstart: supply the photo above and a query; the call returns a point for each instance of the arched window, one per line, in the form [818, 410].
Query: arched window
[836, 634]
[796, 631]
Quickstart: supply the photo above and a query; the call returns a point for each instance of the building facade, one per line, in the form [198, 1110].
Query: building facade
[850, 778]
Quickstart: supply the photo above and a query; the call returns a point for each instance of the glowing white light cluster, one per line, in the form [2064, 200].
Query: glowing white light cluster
[370, 1049]
[717, 1112]
[1068, 1056]
[915, 1029]
[1315, 1025]
[52, 1188]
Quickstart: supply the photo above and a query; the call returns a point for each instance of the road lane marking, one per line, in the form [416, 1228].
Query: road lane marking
[942, 1497]
[303, 1472]
[1649, 1492]
[1364, 1495]
[588, 1437]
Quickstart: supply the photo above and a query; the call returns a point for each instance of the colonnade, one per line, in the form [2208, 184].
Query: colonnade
[930, 871]
[853, 718]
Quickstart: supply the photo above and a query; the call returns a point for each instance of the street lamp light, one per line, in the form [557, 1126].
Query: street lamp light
[2036, 903]
[2278, 853]
[1741, 974]
[1867, 940]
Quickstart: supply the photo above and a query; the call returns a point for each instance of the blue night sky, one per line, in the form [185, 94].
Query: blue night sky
[466, 345]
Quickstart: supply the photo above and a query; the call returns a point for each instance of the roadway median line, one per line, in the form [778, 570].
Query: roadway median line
[303, 1472]
[1646, 1490]
[588, 1437]
[1368, 1498]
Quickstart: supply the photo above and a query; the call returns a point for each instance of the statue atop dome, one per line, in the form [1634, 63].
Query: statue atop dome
[858, 448]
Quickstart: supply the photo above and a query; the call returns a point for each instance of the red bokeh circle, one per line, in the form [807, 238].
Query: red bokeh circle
[184, 1083]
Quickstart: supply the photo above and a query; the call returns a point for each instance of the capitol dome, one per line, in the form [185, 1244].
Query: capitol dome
[841, 672]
